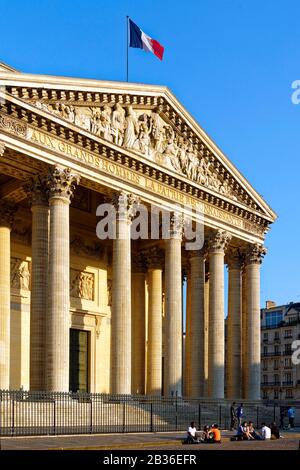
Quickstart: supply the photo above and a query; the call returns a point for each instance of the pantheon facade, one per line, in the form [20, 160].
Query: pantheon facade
[81, 312]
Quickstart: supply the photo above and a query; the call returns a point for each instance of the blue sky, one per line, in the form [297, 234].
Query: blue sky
[230, 62]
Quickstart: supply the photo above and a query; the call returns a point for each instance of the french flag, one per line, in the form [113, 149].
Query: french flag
[140, 40]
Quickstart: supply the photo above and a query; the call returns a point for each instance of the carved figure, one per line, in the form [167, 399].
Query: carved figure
[131, 128]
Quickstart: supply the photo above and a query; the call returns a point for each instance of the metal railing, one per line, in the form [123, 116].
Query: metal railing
[270, 354]
[25, 413]
[269, 384]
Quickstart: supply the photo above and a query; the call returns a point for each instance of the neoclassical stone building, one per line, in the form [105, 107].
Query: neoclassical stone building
[82, 313]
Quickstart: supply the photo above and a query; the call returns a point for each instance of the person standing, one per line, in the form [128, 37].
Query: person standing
[291, 416]
[232, 416]
[240, 414]
[282, 413]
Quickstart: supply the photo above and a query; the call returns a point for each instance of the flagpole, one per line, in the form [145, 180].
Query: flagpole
[127, 47]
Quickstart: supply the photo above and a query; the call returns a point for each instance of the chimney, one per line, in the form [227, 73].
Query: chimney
[270, 304]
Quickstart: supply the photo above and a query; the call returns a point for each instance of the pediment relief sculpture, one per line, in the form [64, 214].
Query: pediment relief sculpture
[144, 131]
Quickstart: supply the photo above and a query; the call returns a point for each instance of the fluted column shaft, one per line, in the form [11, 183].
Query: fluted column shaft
[173, 330]
[206, 329]
[138, 330]
[196, 375]
[39, 274]
[121, 297]
[187, 356]
[216, 315]
[253, 261]
[154, 351]
[244, 331]
[6, 219]
[234, 328]
[61, 185]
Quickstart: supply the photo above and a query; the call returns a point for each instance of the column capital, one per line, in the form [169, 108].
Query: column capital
[61, 183]
[2, 148]
[139, 263]
[218, 241]
[235, 259]
[7, 213]
[255, 254]
[155, 258]
[36, 190]
[176, 225]
[126, 204]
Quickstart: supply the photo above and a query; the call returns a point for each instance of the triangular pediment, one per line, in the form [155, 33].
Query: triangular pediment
[145, 120]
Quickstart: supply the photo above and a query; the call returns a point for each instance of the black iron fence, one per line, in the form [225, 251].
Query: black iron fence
[25, 413]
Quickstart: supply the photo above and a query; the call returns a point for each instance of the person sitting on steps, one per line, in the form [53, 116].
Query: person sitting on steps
[216, 434]
[192, 436]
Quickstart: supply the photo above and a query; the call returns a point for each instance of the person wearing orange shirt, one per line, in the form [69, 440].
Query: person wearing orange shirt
[216, 434]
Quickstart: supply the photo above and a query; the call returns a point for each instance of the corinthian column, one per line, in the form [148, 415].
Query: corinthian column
[244, 330]
[252, 374]
[125, 205]
[196, 324]
[36, 191]
[138, 329]
[234, 327]
[6, 220]
[154, 351]
[173, 330]
[217, 247]
[187, 352]
[206, 330]
[61, 184]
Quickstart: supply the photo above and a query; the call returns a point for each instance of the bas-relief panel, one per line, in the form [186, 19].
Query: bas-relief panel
[146, 132]
[82, 284]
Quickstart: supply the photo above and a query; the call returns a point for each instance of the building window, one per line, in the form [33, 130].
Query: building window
[276, 336]
[287, 349]
[265, 379]
[276, 379]
[265, 350]
[289, 393]
[273, 318]
[276, 394]
[265, 395]
[275, 364]
[287, 362]
[265, 365]
[276, 350]
[265, 335]
[287, 377]
[288, 334]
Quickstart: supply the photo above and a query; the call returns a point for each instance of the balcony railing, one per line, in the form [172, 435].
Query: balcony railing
[270, 354]
[270, 384]
[288, 383]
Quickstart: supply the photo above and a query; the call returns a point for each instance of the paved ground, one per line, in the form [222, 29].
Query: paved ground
[147, 441]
